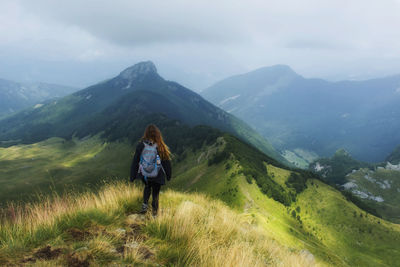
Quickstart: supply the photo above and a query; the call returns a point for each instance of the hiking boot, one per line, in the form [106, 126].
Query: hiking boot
[144, 208]
[154, 213]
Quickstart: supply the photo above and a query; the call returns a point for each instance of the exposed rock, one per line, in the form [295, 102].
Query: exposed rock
[308, 255]
[350, 185]
[120, 231]
[369, 178]
[377, 199]
[132, 245]
[318, 167]
[113, 250]
[384, 185]
[47, 253]
[136, 217]
[28, 260]
[393, 167]
[138, 70]
[367, 195]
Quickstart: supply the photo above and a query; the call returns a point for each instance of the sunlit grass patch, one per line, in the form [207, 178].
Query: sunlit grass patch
[191, 229]
[61, 165]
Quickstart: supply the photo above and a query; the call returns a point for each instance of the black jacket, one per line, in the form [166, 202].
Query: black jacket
[160, 179]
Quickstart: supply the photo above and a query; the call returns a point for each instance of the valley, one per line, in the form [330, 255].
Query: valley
[313, 115]
[70, 159]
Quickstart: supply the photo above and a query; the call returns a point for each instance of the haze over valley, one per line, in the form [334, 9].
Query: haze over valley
[315, 115]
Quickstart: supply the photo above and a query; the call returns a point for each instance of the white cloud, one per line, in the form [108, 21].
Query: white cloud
[197, 42]
[145, 22]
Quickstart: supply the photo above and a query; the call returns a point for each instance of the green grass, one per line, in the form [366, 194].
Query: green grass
[371, 179]
[295, 159]
[194, 174]
[99, 229]
[324, 221]
[359, 237]
[59, 164]
[301, 158]
[390, 207]
[318, 220]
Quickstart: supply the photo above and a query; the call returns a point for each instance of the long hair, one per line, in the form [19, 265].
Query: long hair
[153, 134]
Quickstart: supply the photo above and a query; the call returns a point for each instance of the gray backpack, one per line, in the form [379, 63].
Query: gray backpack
[150, 162]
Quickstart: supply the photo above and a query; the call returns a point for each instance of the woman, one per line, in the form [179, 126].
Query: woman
[152, 164]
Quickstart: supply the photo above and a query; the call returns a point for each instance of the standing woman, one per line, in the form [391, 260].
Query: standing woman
[152, 164]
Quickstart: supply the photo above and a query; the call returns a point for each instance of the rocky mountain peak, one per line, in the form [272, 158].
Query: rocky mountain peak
[139, 69]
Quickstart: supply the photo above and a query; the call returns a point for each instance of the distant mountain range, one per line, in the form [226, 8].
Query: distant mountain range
[314, 115]
[121, 107]
[99, 127]
[16, 96]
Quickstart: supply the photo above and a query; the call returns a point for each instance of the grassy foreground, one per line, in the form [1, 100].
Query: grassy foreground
[103, 229]
[319, 225]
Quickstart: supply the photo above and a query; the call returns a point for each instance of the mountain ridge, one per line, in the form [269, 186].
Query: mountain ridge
[136, 91]
[315, 115]
[15, 96]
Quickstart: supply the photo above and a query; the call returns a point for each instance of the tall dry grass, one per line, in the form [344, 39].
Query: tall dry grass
[214, 235]
[24, 226]
[191, 229]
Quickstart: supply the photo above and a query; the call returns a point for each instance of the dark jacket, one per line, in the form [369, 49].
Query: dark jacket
[160, 179]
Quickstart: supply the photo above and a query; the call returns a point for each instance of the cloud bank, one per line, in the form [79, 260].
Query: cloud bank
[197, 42]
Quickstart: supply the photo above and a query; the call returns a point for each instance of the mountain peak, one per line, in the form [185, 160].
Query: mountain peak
[277, 69]
[139, 69]
[281, 67]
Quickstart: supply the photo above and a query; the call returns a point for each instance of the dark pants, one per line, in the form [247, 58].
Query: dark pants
[154, 189]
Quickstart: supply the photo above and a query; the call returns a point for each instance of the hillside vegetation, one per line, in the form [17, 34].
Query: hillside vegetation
[192, 230]
[58, 164]
[291, 209]
[120, 108]
[316, 217]
[374, 185]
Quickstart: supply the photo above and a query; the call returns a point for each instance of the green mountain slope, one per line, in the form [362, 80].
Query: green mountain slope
[317, 217]
[117, 105]
[292, 210]
[377, 185]
[394, 157]
[297, 113]
[77, 164]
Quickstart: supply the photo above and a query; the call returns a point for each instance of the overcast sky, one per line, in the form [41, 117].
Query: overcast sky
[80, 42]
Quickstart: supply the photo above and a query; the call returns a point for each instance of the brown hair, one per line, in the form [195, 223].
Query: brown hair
[153, 134]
